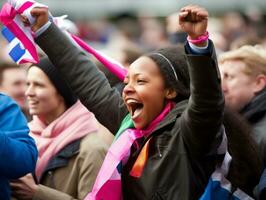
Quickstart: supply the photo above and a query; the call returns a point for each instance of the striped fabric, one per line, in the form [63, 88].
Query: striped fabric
[22, 47]
[219, 188]
[15, 48]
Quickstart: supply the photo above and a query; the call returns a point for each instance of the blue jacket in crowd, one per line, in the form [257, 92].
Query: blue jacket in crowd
[18, 153]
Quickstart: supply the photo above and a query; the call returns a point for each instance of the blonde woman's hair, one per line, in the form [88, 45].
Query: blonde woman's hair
[254, 58]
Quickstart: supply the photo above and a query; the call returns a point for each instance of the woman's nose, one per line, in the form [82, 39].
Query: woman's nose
[128, 88]
[29, 91]
[224, 86]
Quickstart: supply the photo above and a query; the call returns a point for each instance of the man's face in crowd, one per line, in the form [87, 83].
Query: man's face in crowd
[238, 87]
[14, 85]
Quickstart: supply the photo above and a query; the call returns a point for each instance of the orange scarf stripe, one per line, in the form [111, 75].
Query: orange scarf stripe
[139, 164]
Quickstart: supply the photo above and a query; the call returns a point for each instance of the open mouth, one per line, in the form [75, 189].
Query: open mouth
[135, 108]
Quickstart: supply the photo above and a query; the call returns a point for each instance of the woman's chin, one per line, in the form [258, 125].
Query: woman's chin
[33, 112]
[140, 125]
[137, 125]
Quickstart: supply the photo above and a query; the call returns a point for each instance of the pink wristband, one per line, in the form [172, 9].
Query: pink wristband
[199, 39]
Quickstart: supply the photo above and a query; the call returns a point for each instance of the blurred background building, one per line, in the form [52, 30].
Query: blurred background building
[79, 9]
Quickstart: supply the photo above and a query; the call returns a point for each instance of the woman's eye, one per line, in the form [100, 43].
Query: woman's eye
[141, 81]
[126, 81]
[40, 85]
[230, 77]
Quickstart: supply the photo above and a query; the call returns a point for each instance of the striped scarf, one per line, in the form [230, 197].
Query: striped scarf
[23, 47]
[108, 182]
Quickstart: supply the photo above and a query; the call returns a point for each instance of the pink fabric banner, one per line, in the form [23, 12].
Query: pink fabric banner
[115, 68]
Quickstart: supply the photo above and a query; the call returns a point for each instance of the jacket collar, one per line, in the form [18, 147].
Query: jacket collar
[63, 157]
[256, 109]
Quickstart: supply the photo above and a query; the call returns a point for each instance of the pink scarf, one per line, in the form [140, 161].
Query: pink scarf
[73, 124]
[108, 182]
[113, 66]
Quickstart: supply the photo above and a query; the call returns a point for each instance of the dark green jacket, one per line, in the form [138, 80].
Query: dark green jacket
[183, 151]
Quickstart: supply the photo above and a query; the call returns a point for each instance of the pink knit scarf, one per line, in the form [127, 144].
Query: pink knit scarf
[73, 124]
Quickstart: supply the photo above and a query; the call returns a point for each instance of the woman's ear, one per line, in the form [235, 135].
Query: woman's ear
[170, 93]
[260, 83]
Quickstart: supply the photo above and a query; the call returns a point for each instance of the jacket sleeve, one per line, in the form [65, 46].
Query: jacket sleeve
[83, 77]
[201, 122]
[18, 152]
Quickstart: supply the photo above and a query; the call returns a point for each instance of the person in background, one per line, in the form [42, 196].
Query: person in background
[244, 85]
[18, 152]
[245, 40]
[69, 139]
[243, 72]
[13, 84]
[128, 54]
[174, 32]
[153, 35]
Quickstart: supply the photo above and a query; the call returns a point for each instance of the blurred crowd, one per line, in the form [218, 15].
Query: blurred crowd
[127, 33]
[239, 40]
[125, 37]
